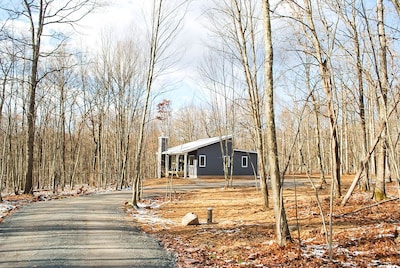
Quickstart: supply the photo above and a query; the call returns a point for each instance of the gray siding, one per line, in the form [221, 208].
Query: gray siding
[214, 159]
[252, 164]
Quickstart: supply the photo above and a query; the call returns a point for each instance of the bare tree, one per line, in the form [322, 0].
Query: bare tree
[325, 68]
[281, 225]
[236, 26]
[396, 4]
[7, 65]
[351, 22]
[217, 74]
[164, 26]
[40, 16]
[383, 84]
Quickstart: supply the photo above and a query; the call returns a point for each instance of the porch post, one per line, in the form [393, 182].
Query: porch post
[185, 165]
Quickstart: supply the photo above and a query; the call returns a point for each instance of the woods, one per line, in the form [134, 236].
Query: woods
[311, 85]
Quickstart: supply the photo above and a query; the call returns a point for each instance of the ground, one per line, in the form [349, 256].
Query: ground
[12, 202]
[365, 233]
[242, 232]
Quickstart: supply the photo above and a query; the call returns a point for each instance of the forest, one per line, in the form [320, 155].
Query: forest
[312, 84]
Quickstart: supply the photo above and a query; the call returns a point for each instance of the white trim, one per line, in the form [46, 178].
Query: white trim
[185, 165]
[246, 164]
[194, 145]
[202, 160]
[227, 160]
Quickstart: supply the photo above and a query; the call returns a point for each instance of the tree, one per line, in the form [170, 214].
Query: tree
[7, 61]
[163, 114]
[165, 24]
[325, 69]
[383, 85]
[281, 225]
[236, 26]
[396, 4]
[351, 22]
[41, 16]
[217, 74]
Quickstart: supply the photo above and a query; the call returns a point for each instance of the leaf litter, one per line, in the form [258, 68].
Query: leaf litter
[242, 232]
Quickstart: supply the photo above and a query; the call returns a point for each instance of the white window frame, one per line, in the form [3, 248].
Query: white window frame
[227, 161]
[246, 163]
[202, 160]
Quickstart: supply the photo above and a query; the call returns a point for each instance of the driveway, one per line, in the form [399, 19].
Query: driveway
[87, 231]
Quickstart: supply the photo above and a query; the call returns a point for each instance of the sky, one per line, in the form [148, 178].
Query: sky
[119, 15]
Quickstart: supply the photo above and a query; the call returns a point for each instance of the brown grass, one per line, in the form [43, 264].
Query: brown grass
[242, 233]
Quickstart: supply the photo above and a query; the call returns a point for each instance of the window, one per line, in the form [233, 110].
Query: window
[191, 160]
[227, 161]
[245, 161]
[202, 161]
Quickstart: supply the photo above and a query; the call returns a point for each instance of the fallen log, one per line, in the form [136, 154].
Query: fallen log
[370, 206]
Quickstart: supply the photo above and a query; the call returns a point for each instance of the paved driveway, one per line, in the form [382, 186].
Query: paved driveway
[88, 231]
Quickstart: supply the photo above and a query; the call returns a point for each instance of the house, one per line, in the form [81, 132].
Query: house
[205, 157]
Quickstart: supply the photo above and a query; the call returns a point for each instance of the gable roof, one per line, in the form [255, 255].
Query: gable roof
[194, 145]
[245, 151]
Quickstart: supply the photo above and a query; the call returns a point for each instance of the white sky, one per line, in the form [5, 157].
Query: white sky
[120, 15]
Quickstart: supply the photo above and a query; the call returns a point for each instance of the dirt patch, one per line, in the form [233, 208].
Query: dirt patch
[242, 232]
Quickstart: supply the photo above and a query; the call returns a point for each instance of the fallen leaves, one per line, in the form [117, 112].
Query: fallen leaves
[243, 233]
[12, 202]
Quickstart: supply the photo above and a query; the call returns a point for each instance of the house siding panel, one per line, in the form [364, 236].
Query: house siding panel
[238, 170]
[214, 158]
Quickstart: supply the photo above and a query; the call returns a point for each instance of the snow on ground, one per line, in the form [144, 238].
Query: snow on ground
[147, 213]
[5, 207]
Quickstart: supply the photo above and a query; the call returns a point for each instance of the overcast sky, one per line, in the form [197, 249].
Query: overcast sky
[119, 16]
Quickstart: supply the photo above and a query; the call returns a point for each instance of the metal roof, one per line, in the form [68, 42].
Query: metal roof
[245, 151]
[194, 145]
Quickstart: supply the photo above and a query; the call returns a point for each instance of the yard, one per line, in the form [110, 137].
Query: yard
[242, 232]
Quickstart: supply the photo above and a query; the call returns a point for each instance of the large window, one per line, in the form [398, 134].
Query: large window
[245, 161]
[202, 161]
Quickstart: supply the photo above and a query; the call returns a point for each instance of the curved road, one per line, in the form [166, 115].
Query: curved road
[87, 231]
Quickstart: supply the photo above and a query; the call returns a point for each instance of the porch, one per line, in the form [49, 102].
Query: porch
[181, 165]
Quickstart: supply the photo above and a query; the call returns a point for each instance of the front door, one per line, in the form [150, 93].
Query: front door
[192, 166]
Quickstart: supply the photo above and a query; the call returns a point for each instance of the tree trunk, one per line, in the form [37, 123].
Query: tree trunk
[281, 225]
[149, 82]
[380, 187]
[396, 4]
[325, 72]
[35, 44]
[364, 185]
[317, 128]
[245, 40]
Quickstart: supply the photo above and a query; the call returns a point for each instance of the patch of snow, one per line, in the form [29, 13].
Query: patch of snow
[5, 207]
[347, 264]
[154, 205]
[318, 251]
[385, 235]
[152, 219]
[145, 214]
[270, 242]
[375, 262]
[141, 206]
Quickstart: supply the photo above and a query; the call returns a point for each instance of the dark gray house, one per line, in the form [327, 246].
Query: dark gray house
[205, 157]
